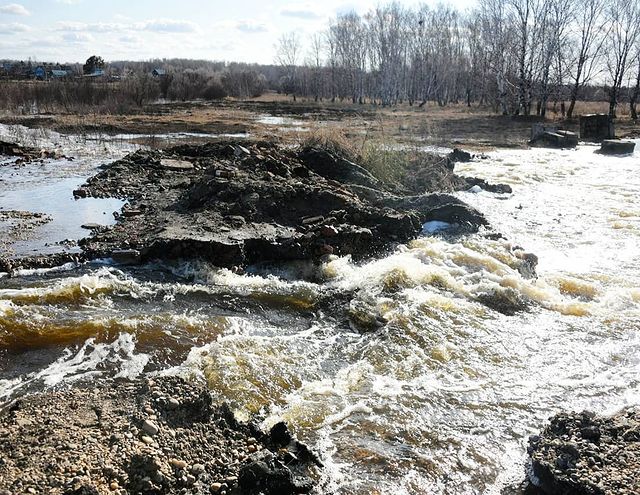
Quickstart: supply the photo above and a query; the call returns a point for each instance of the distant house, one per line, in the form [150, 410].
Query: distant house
[40, 73]
[58, 73]
[95, 73]
[159, 72]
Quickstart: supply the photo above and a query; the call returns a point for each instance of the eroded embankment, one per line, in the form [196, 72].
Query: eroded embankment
[235, 205]
[162, 437]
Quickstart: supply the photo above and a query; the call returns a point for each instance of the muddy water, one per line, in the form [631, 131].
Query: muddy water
[441, 396]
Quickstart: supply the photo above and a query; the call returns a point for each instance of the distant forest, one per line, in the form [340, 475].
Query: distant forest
[518, 57]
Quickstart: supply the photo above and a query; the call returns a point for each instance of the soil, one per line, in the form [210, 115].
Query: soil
[586, 454]
[162, 436]
[224, 202]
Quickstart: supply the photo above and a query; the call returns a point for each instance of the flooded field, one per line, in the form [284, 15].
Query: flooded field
[439, 398]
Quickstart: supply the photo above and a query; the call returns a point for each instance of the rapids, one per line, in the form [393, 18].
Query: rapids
[395, 370]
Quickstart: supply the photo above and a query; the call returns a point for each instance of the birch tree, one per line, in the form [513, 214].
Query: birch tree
[621, 41]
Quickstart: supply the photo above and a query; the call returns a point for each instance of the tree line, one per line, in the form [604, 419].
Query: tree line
[517, 56]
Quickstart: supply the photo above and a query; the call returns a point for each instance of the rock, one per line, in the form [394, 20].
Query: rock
[91, 226]
[266, 474]
[617, 147]
[240, 151]
[280, 435]
[80, 193]
[126, 256]
[337, 168]
[581, 453]
[504, 300]
[198, 469]
[178, 464]
[177, 165]
[84, 489]
[150, 427]
[455, 213]
[311, 220]
[130, 212]
[458, 155]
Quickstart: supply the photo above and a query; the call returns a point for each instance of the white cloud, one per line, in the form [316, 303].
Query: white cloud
[47, 43]
[98, 27]
[129, 39]
[14, 9]
[14, 27]
[250, 26]
[305, 11]
[77, 37]
[69, 2]
[169, 26]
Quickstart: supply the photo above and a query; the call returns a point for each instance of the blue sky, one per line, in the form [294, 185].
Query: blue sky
[242, 30]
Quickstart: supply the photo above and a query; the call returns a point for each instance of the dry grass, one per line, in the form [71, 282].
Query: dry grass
[402, 167]
[330, 139]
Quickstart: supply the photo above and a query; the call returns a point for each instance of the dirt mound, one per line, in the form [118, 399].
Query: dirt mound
[235, 203]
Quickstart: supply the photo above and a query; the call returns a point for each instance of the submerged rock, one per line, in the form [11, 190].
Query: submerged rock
[586, 454]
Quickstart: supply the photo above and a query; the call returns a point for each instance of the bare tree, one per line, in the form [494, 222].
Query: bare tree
[349, 41]
[621, 40]
[591, 25]
[314, 62]
[635, 92]
[287, 54]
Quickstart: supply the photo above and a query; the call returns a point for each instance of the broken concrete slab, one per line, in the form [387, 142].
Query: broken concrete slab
[617, 147]
[552, 137]
[596, 127]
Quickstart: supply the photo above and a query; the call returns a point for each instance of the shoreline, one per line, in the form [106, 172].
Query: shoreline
[161, 435]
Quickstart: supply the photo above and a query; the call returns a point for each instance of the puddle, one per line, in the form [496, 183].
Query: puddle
[280, 121]
[169, 136]
[36, 189]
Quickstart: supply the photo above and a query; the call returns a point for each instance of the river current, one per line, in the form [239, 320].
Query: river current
[441, 396]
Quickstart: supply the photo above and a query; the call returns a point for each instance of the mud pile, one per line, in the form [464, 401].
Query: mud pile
[25, 154]
[584, 454]
[161, 437]
[235, 204]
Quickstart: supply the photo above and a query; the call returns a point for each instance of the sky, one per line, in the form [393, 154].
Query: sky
[241, 30]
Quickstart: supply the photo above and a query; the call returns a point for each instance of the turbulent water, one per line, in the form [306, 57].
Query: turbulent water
[441, 393]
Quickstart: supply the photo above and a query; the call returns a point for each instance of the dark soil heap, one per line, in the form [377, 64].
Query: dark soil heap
[584, 454]
[163, 437]
[236, 204]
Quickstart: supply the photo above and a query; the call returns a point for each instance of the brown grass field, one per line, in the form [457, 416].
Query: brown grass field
[455, 125]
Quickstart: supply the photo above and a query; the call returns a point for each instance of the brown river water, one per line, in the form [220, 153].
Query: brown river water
[441, 398]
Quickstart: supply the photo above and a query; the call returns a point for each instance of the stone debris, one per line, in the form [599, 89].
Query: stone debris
[99, 440]
[586, 454]
[236, 205]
